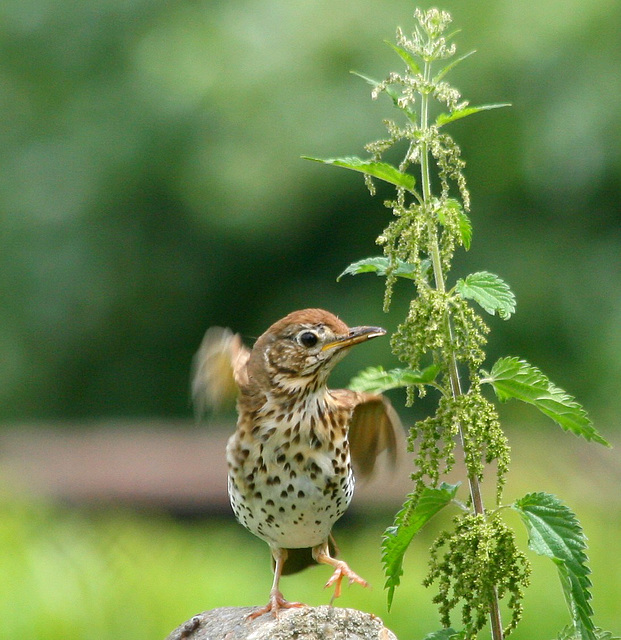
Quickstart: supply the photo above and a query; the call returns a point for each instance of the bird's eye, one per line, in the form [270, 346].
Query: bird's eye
[308, 339]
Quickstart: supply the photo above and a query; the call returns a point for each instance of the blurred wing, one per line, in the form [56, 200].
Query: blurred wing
[219, 369]
[374, 427]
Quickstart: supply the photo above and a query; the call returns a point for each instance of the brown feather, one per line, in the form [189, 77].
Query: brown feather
[219, 369]
[374, 427]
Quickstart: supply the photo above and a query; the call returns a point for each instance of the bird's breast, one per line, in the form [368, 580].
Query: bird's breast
[290, 476]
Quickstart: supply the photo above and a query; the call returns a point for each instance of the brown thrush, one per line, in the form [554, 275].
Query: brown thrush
[290, 460]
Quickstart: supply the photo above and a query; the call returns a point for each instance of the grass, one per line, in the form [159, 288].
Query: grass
[117, 574]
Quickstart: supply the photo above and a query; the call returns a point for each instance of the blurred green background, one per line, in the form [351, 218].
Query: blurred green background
[151, 185]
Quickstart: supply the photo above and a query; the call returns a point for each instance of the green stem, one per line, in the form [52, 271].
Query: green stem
[456, 390]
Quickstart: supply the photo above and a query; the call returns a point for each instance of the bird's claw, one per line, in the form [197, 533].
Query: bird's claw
[275, 604]
[343, 571]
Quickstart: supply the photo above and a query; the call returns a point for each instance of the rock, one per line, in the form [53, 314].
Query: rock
[306, 623]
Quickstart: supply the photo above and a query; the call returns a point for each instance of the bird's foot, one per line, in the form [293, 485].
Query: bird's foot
[341, 571]
[275, 604]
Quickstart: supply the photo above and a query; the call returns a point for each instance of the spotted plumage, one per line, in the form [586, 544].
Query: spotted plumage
[292, 457]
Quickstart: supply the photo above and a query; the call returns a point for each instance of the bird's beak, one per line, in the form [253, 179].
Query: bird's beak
[355, 335]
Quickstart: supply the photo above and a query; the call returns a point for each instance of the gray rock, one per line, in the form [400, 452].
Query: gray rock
[307, 623]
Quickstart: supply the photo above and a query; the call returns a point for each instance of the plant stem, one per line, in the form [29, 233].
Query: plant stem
[456, 390]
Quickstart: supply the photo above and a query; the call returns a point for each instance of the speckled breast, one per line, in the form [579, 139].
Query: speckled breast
[290, 480]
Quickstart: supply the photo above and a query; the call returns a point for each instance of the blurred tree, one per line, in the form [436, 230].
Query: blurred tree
[150, 185]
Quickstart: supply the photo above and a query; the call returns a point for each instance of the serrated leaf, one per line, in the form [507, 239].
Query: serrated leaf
[488, 290]
[381, 170]
[450, 66]
[465, 226]
[554, 532]
[445, 118]
[569, 633]
[379, 265]
[377, 380]
[515, 378]
[408, 522]
[406, 56]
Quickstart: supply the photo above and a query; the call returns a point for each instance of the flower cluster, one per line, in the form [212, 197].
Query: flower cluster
[480, 560]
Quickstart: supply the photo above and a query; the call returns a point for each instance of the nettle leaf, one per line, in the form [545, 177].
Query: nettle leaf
[377, 380]
[389, 90]
[381, 170]
[488, 290]
[379, 265]
[515, 378]
[465, 229]
[465, 226]
[554, 531]
[445, 118]
[408, 522]
[600, 634]
[450, 66]
[569, 633]
[406, 56]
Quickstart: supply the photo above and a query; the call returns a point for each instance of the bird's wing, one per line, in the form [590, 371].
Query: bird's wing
[374, 427]
[219, 369]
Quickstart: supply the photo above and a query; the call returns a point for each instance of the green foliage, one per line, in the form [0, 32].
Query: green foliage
[463, 221]
[376, 380]
[570, 633]
[443, 634]
[381, 266]
[489, 291]
[445, 118]
[555, 532]
[416, 512]
[515, 378]
[407, 57]
[381, 170]
[477, 564]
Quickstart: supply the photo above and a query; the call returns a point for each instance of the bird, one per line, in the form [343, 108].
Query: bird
[298, 445]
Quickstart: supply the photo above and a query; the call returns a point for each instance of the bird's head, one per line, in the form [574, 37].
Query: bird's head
[300, 350]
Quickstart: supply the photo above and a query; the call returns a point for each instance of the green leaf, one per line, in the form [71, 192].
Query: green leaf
[465, 226]
[406, 56]
[379, 265]
[377, 380]
[450, 66]
[391, 91]
[515, 378]
[569, 633]
[445, 118]
[381, 170]
[443, 634]
[408, 522]
[465, 229]
[488, 290]
[600, 634]
[554, 531]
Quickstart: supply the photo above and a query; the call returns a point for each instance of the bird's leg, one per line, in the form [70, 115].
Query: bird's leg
[321, 553]
[276, 601]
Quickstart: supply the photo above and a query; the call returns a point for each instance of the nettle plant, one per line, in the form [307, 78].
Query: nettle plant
[476, 565]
